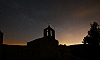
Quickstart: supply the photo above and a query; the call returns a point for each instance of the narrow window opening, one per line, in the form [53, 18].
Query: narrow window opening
[47, 33]
[51, 33]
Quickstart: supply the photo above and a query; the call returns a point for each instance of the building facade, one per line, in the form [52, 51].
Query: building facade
[46, 46]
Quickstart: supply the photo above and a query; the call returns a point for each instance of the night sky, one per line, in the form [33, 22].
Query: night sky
[22, 21]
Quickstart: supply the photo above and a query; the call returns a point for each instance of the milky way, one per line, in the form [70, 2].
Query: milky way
[24, 20]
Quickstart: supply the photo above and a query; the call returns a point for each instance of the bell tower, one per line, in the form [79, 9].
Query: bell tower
[49, 32]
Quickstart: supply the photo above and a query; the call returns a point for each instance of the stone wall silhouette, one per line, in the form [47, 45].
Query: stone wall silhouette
[1, 41]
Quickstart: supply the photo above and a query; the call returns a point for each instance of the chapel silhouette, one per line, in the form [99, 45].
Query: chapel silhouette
[47, 45]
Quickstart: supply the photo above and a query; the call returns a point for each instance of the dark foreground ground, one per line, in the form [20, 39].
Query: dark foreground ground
[74, 52]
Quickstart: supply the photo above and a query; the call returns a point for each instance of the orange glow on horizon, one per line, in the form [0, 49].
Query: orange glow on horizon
[17, 44]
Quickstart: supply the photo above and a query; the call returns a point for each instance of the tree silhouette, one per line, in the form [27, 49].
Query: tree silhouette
[93, 36]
